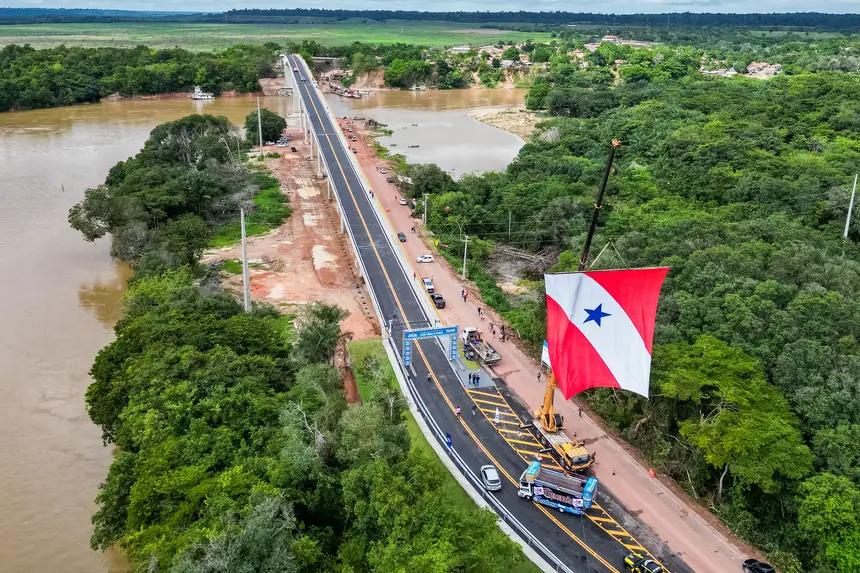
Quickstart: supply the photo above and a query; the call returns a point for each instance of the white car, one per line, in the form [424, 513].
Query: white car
[490, 477]
[428, 285]
[425, 259]
[383, 171]
[402, 201]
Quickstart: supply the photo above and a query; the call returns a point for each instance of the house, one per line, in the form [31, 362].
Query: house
[763, 69]
[464, 49]
[619, 62]
[592, 47]
[612, 39]
[576, 54]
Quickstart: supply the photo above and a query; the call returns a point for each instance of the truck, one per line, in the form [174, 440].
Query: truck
[548, 425]
[473, 341]
[566, 493]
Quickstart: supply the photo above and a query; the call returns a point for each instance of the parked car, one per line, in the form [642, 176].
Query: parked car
[294, 150]
[383, 171]
[438, 300]
[295, 69]
[389, 180]
[638, 564]
[756, 566]
[402, 237]
[354, 150]
[402, 201]
[490, 478]
[428, 285]
[425, 258]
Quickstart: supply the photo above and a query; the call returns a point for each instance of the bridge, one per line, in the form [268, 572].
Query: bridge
[596, 543]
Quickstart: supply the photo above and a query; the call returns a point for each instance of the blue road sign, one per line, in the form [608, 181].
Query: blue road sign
[448, 439]
[407, 353]
[431, 332]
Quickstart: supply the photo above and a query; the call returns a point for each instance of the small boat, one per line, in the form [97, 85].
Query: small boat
[200, 94]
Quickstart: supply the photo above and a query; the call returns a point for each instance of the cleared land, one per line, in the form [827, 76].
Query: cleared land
[205, 37]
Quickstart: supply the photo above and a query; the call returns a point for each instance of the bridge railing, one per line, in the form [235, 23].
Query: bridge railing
[406, 378]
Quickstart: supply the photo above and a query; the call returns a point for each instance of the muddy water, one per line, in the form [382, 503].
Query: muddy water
[438, 124]
[59, 296]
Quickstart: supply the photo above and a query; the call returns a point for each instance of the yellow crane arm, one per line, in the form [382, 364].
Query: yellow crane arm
[546, 413]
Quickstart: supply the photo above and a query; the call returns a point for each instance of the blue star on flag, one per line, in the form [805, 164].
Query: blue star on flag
[596, 314]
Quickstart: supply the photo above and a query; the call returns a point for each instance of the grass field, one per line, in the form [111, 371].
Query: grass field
[204, 37]
[358, 349]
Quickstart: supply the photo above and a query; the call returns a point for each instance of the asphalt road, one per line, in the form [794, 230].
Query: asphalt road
[581, 545]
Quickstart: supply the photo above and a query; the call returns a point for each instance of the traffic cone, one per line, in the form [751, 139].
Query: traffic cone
[651, 472]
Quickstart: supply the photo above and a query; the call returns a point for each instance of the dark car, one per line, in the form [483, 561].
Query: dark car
[756, 566]
[636, 564]
[438, 300]
[402, 237]
[389, 180]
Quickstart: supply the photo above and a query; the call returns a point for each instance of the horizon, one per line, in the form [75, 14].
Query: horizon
[505, 6]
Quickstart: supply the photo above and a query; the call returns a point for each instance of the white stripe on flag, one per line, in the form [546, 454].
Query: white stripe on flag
[616, 340]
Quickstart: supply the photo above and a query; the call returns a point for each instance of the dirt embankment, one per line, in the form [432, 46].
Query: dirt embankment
[307, 258]
[514, 120]
[374, 80]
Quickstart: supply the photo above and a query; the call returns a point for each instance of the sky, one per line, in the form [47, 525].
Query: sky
[603, 6]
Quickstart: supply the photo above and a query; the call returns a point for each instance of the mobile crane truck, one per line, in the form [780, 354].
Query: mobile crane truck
[548, 424]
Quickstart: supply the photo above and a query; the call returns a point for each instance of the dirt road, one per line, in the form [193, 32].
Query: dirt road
[689, 530]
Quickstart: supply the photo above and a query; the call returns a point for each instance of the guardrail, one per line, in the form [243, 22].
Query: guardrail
[403, 374]
[420, 295]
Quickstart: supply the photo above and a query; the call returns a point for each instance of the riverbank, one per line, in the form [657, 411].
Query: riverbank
[511, 119]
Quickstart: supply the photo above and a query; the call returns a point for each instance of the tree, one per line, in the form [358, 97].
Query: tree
[829, 517]
[272, 123]
[512, 53]
[429, 178]
[743, 425]
[542, 54]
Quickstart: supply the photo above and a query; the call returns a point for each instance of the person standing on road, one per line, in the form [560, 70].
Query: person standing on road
[479, 312]
[580, 412]
[474, 409]
[457, 410]
[493, 329]
[502, 332]
[429, 378]
[538, 377]
[463, 295]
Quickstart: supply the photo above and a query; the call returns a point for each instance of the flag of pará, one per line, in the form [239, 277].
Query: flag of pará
[600, 326]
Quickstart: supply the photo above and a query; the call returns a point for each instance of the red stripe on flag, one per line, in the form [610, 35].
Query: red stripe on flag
[575, 363]
[637, 291]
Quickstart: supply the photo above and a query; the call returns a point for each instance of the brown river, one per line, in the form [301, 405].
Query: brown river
[60, 296]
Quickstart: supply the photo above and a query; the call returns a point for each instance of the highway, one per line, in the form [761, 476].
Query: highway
[581, 544]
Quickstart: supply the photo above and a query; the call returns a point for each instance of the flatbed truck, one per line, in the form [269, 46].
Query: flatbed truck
[474, 341]
[566, 493]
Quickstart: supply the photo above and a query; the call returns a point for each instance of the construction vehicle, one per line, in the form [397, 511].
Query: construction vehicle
[568, 494]
[474, 341]
[548, 424]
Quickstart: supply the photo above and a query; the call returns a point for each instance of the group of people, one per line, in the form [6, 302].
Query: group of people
[474, 378]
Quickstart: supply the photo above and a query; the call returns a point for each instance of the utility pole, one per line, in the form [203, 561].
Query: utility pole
[246, 279]
[425, 208]
[465, 250]
[260, 126]
[850, 208]
[584, 259]
[509, 225]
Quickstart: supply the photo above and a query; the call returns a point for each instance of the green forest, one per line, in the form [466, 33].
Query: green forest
[236, 448]
[31, 79]
[742, 187]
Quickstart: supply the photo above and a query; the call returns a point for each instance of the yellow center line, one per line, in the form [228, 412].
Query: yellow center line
[421, 352]
[491, 403]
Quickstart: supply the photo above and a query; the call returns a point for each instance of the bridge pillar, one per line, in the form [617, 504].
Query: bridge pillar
[319, 170]
[330, 185]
